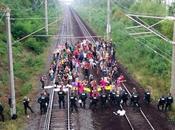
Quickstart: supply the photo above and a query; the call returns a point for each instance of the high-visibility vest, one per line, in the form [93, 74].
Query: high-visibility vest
[109, 87]
[87, 89]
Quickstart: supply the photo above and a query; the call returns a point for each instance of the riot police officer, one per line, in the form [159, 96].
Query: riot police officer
[73, 102]
[112, 96]
[94, 101]
[26, 105]
[118, 100]
[135, 99]
[169, 101]
[124, 97]
[61, 96]
[42, 101]
[1, 112]
[147, 97]
[103, 99]
[83, 97]
[161, 103]
[47, 98]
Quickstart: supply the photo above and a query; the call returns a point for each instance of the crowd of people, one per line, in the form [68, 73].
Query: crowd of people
[93, 77]
[91, 72]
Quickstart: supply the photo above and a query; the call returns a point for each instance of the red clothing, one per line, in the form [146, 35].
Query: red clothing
[80, 88]
[120, 80]
[103, 83]
[89, 55]
[76, 52]
[86, 65]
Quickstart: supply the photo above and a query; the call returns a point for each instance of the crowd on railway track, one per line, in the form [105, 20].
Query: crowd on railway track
[91, 73]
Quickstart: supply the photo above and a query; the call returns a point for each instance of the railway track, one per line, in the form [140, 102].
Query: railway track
[60, 119]
[132, 116]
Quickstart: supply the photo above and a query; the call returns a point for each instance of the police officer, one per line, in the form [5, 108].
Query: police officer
[112, 96]
[73, 102]
[42, 101]
[118, 100]
[124, 97]
[46, 94]
[61, 96]
[26, 102]
[135, 99]
[83, 97]
[94, 101]
[169, 101]
[161, 103]
[103, 99]
[147, 97]
[1, 112]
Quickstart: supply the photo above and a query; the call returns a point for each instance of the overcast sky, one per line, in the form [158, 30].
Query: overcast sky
[169, 1]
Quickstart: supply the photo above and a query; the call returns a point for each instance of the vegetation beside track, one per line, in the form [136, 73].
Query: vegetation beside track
[30, 54]
[136, 54]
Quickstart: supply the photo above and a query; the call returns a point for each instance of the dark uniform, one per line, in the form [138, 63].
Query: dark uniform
[135, 100]
[161, 103]
[61, 95]
[94, 101]
[103, 99]
[169, 101]
[42, 101]
[147, 97]
[26, 105]
[46, 94]
[83, 97]
[118, 100]
[124, 97]
[112, 96]
[73, 104]
[1, 112]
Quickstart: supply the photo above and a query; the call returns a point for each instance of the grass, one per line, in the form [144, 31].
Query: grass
[148, 68]
[28, 66]
[145, 66]
[13, 124]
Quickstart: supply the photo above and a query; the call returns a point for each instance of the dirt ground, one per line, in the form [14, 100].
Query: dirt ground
[87, 119]
[158, 119]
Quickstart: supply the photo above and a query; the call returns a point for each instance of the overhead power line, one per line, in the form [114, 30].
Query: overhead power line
[34, 32]
[152, 49]
[31, 18]
[125, 10]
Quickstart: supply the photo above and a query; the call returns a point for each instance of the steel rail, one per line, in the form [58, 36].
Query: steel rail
[47, 121]
[127, 118]
[87, 32]
[50, 106]
[83, 27]
[68, 93]
[140, 109]
[49, 112]
[66, 31]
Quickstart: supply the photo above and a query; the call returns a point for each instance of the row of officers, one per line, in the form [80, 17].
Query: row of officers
[103, 99]
[113, 98]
